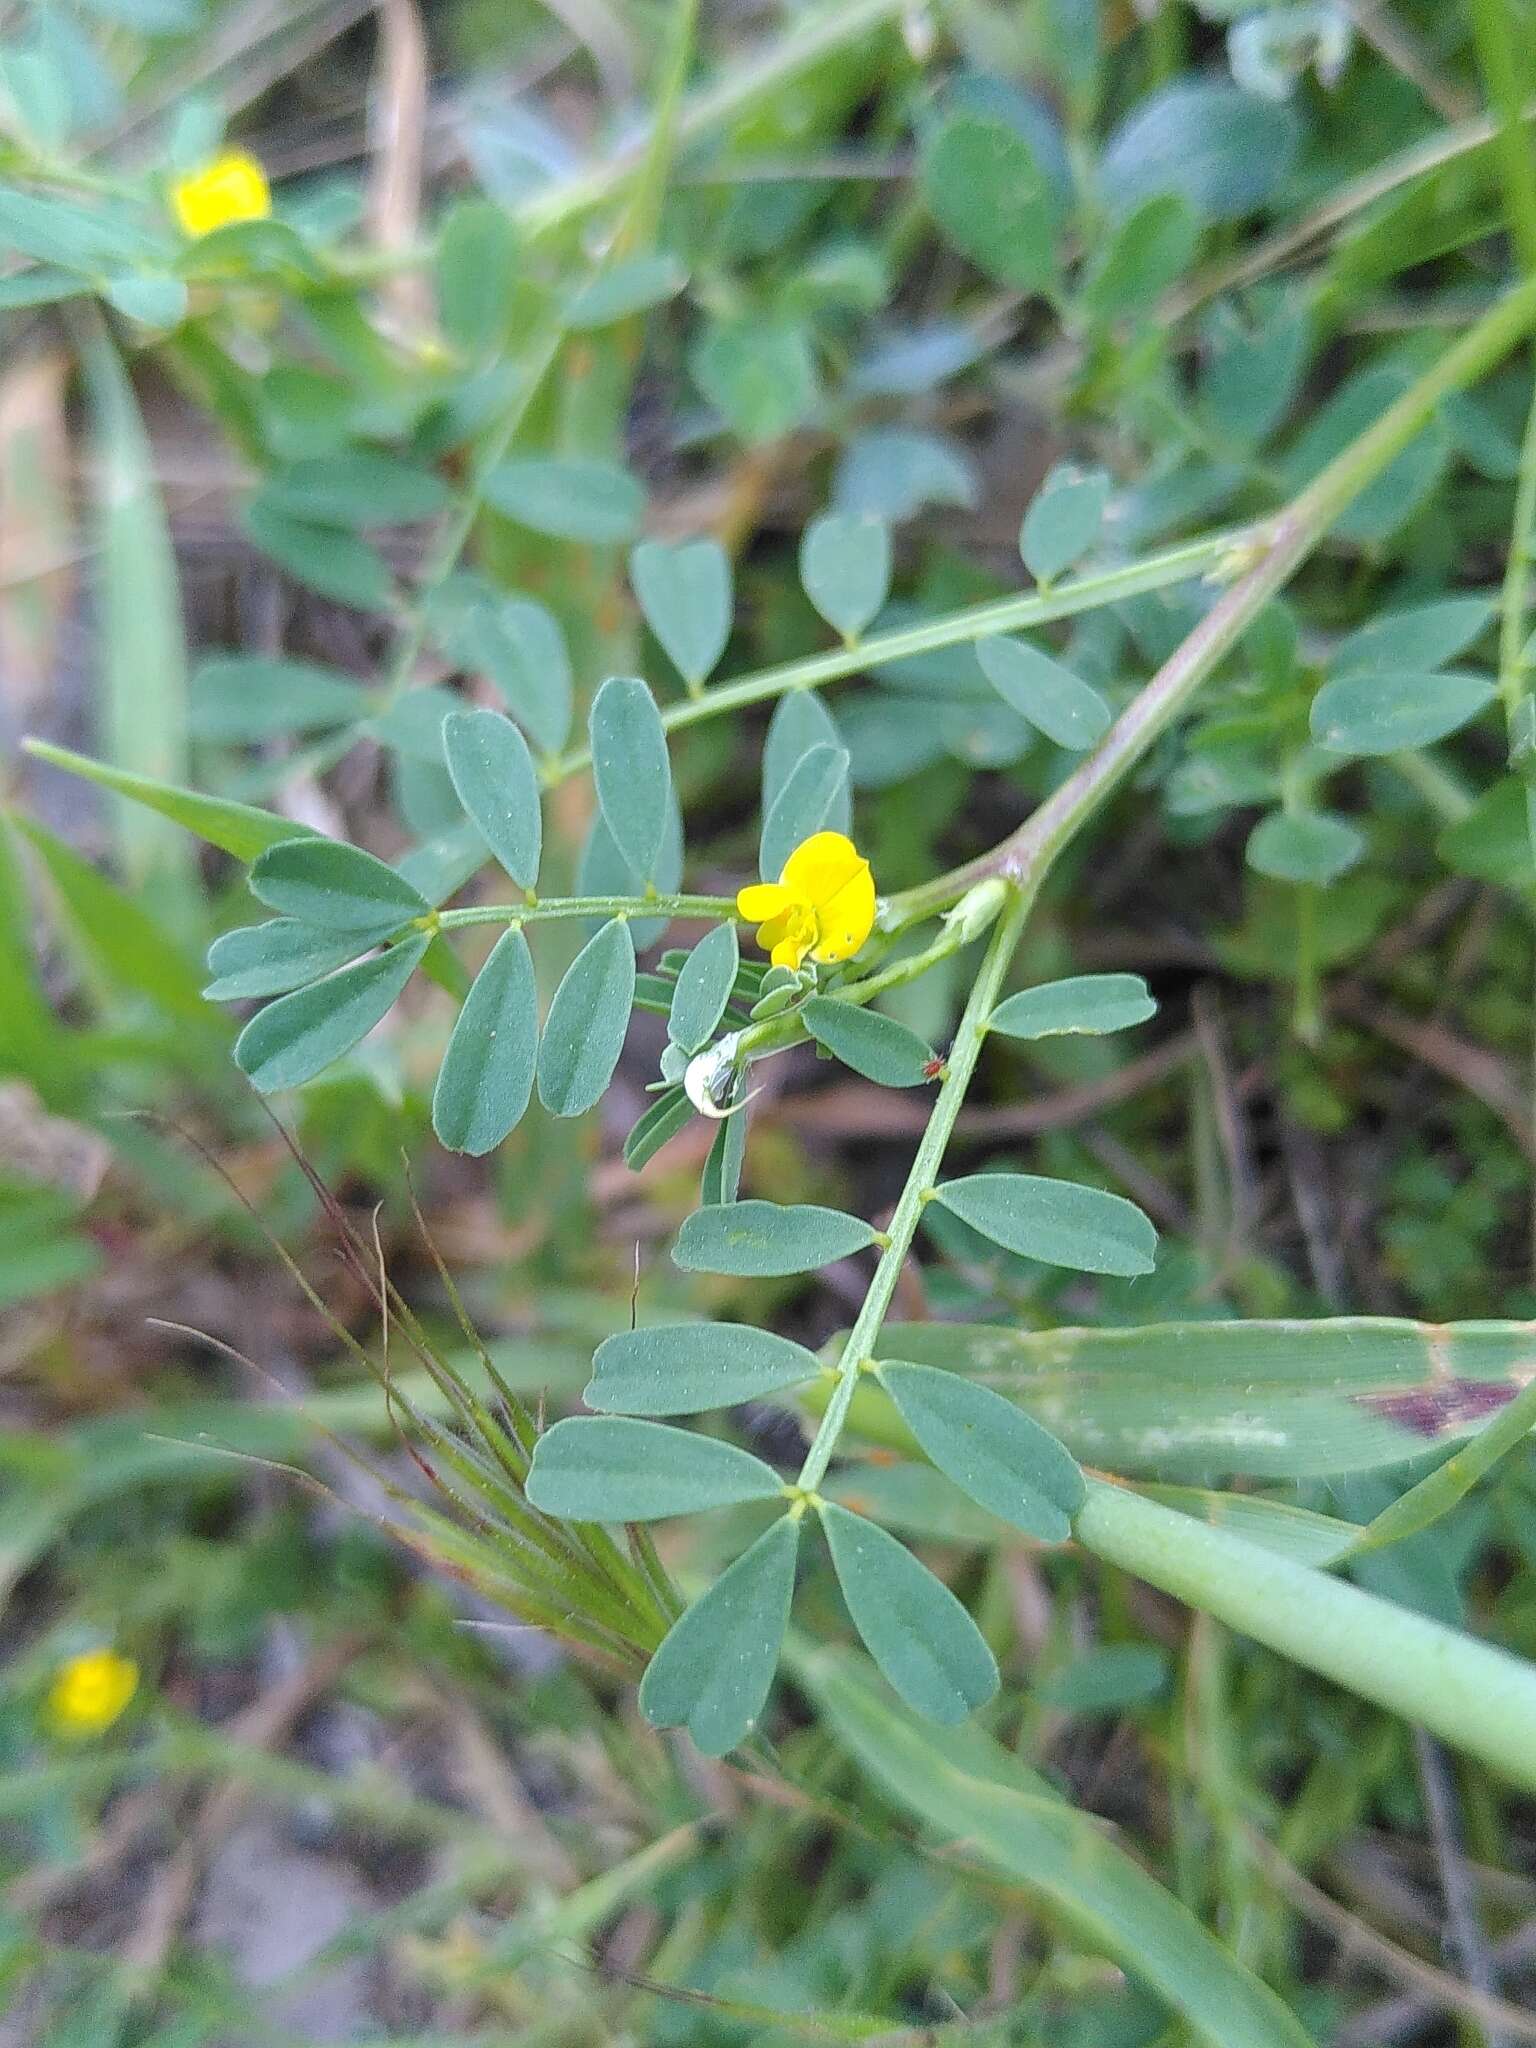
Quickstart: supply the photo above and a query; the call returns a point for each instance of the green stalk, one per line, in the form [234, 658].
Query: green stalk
[1281, 549]
[918, 1191]
[955, 629]
[1498, 58]
[1476, 1697]
[586, 906]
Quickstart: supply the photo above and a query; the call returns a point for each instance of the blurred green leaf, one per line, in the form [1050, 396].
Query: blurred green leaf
[984, 186]
[477, 260]
[569, 498]
[252, 696]
[684, 588]
[759, 374]
[1063, 520]
[1225, 152]
[1083, 1002]
[1304, 846]
[625, 288]
[845, 566]
[1382, 711]
[1064, 708]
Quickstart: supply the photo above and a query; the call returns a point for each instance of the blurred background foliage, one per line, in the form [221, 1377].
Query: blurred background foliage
[266, 494]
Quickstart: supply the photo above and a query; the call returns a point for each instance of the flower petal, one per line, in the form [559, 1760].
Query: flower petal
[845, 922]
[762, 900]
[820, 866]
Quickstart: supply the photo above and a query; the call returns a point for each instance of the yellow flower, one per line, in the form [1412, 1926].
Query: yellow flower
[823, 904]
[90, 1692]
[232, 186]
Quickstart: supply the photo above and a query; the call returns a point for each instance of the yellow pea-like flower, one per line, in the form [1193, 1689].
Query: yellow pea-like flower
[231, 187]
[822, 905]
[91, 1691]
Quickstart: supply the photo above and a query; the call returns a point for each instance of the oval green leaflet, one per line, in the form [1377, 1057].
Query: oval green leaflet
[1002, 1458]
[1063, 520]
[813, 791]
[498, 785]
[703, 988]
[584, 1031]
[298, 1036]
[518, 645]
[760, 1240]
[845, 566]
[486, 1077]
[1059, 1222]
[1421, 636]
[987, 192]
[801, 721]
[272, 958]
[476, 276]
[335, 887]
[913, 1626]
[713, 1669]
[248, 697]
[621, 289]
[684, 588]
[1054, 700]
[1382, 711]
[608, 1468]
[632, 771]
[1303, 846]
[1083, 1002]
[685, 1368]
[875, 1046]
[569, 498]
[603, 870]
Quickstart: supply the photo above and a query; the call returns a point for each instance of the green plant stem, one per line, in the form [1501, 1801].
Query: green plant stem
[1514, 598]
[1479, 1699]
[1281, 548]
[918, 1191]
[976, 622]
[1498, 57]
[587, 906]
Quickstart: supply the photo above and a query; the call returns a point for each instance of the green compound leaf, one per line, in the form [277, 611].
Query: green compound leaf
[1058, 1221]
[877, 1047]
[1063, 520]
[584, 1032]
[987, 192]
[486, 1077]
[1382, 711]
[845, 566]
[625, 288]
[1054, 700]
[1001, 1458]
[248, 697]
[298, 1036]
[814, 792]
[761, 1240]
[339, 888]
[498, 785]
[801, 721]
[632, 771]
[913, 1626]
[713, 1669]
[610, 1469]
[569, 498]
[684, 588]
[1304, 846]
[1093, 1003]
[703, 989]
[684, 1368]
[238, 829]
[272, 958]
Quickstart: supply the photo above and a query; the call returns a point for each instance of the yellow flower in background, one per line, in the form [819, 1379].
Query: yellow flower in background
[232, 186]
[91, 1691]
[823, 904]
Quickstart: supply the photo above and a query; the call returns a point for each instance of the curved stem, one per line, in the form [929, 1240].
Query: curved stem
[926, 1162]
[976, 622]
